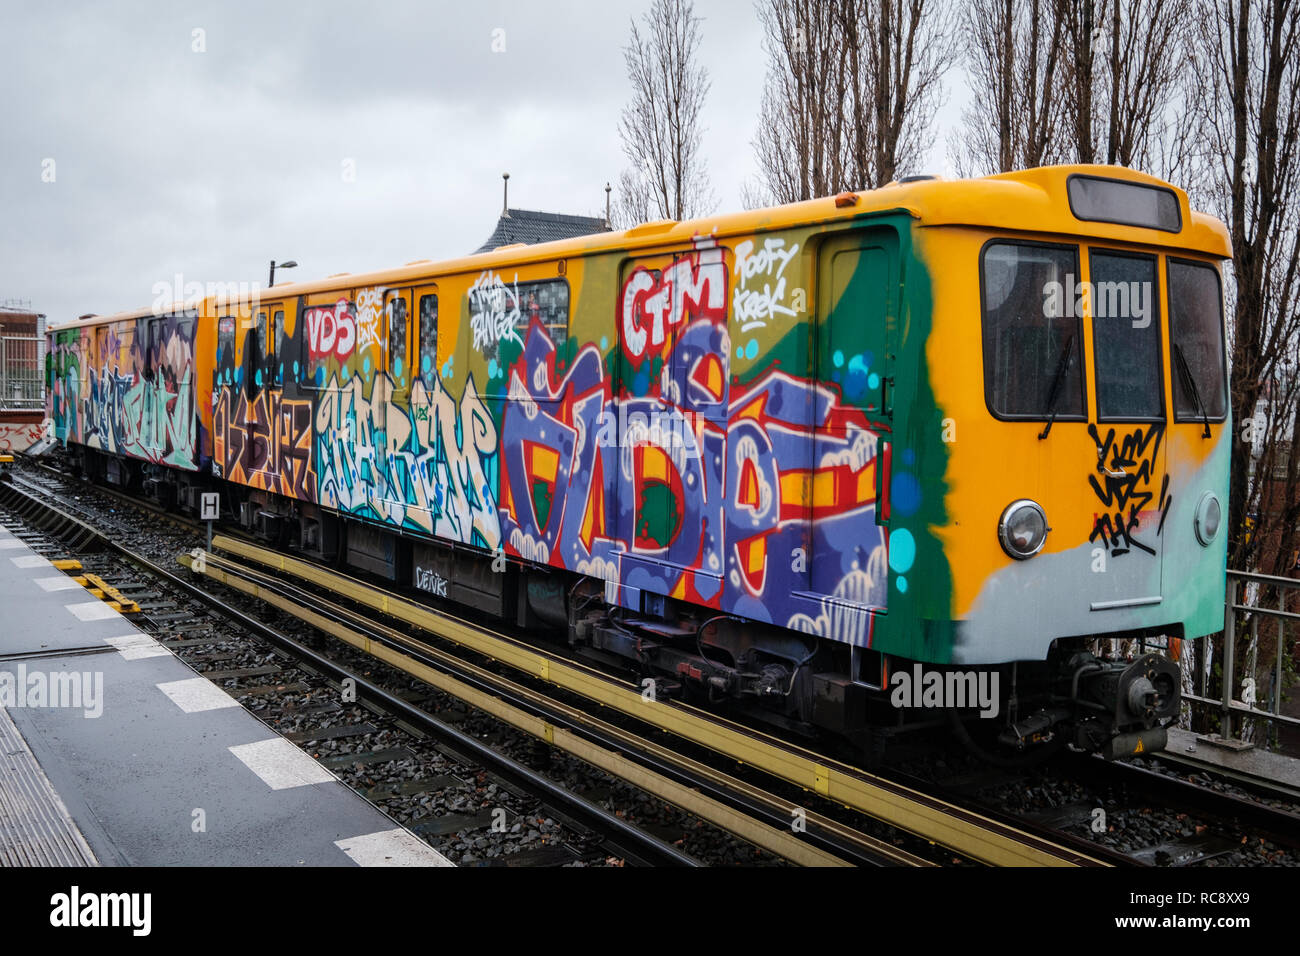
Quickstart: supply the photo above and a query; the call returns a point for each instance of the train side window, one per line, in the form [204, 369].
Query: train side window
[328, 333]
[152, 333]
[225, 348]
[1196, 337]
[548, 302]
[1126, 336]
[261, 335]
[395, 312]
[428, 356]
[1033, 336]
[277, 357]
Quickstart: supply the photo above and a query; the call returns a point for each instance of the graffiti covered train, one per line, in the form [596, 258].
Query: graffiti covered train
[779, 457]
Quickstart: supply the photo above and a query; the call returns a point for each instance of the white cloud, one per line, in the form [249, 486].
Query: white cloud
[210, 164]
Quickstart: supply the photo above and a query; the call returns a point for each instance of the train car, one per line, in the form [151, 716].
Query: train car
[822, 462]
[129, 395]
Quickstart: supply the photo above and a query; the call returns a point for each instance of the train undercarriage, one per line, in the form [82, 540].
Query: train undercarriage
[804, 685]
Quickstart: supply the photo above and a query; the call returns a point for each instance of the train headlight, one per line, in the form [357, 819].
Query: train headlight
[1023, 529]
[1209, 515]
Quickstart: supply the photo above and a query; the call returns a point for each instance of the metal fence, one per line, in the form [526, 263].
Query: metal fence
[22, 378]
[1248, 705]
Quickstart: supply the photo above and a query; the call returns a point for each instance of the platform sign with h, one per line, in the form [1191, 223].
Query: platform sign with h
[209, 511]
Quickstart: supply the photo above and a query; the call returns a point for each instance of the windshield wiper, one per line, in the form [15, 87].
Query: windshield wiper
[1062, 364]
[1189, 385]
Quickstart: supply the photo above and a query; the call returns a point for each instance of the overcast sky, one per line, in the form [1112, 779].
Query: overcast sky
[209, 164]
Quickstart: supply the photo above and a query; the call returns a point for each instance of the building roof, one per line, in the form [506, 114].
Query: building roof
[529, 227]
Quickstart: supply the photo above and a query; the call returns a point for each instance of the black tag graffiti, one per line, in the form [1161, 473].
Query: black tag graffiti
[1126, 476]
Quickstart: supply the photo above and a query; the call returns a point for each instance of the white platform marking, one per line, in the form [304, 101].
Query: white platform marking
[133, 647]
[280, 764]
[10, 544]
[92, 611]
[196, 694]
[31, 561]
[391, 848]
[60, 582]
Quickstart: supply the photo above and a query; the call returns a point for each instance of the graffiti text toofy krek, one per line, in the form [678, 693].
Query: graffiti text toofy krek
[693, 286]
[754, 306]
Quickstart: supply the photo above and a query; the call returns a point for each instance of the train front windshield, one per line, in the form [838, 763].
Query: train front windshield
[1035, 301]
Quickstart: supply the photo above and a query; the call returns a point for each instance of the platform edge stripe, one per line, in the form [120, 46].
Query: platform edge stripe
[281, 765]
[396, 847]
[31, 561]
[24, 786]
[11, 544]
[88, 611]
[197, 694]
[134, 647]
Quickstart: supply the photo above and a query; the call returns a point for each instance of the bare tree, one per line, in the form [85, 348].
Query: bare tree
[1015, 56]
[897, 85]
[851, 91]
[801, 148]
[1247, 118]
[661, 127]
[1132, 58]
[1077, 81]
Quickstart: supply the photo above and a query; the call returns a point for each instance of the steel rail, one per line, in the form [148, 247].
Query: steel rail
[630, 842]
[965, 832]
[416, 657]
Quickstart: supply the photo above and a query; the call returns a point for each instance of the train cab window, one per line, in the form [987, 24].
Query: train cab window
[428, 356]
[395, 312]
[1033, 339]
[1126, 337]
[1196, 341]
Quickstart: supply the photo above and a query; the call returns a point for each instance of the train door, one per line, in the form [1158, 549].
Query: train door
[146, 417]
[261, 369]
[424, 376]
[857, 324]
[671, 471]
[394, 453]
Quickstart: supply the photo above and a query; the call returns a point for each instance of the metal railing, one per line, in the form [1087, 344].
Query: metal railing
[1241, 699]
[22, 378]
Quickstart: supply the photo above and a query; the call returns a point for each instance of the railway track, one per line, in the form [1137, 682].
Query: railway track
[795, 804]
[382, 727]
[1137, 816]
[974, 837]
[778, 835]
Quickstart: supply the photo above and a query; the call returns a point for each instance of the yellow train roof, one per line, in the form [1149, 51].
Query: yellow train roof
[1028, 201]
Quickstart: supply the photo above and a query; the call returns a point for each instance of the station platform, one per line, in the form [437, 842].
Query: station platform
[114, 752]
[1250, 762]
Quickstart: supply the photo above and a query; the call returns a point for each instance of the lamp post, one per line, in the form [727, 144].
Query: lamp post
[283, 265]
